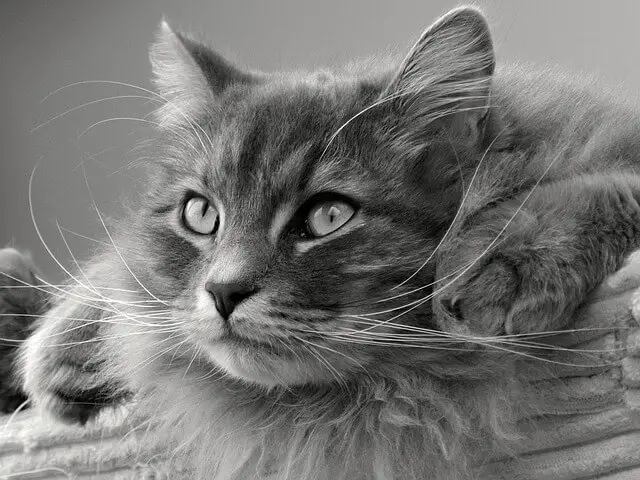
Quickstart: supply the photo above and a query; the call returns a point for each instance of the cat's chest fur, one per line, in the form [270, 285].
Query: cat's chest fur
[379, 429]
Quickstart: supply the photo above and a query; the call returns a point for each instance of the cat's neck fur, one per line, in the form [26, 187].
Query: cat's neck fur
[408, 423]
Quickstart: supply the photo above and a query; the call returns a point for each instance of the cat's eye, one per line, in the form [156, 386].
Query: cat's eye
[328, 216]
[199, 216]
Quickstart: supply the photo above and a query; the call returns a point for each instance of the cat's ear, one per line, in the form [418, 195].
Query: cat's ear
[444, 82]
[188, 75]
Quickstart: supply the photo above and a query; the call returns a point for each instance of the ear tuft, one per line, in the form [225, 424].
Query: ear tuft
[188, 75]
[446, 77]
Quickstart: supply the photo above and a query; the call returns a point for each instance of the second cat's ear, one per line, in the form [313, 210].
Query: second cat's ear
[445, 80]
[189, 75]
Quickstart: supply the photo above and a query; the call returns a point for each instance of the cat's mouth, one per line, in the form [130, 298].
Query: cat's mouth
[256, 361]
[231, 338]
[249, 351]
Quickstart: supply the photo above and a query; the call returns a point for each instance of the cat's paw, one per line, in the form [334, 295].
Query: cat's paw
[480, 301]
[62, 365]
[500, 296]
[20, 290]
[20, 304]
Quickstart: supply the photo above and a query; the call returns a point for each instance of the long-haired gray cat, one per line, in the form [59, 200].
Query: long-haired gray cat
[298, 291]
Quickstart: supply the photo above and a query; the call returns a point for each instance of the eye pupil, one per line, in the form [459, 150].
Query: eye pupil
[333, 213]
[328, 216]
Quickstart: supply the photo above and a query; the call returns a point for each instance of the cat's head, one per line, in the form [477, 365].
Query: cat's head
[292, 218]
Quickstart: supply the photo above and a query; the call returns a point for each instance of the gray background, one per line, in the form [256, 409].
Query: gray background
[45, 45]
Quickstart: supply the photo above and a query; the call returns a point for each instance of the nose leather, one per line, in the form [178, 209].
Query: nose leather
[227, 296]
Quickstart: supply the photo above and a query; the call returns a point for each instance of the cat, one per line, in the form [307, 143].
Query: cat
[303, 290]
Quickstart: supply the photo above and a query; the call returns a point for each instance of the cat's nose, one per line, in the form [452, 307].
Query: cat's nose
[227, 296]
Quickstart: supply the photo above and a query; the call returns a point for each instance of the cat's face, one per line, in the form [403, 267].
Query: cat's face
[289, 223]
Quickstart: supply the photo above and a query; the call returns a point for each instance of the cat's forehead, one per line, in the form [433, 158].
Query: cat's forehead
[278, 140]
[293, 107]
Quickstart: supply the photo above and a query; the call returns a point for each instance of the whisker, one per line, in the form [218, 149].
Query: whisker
[159, 354]
[487, 249]
[107, 244]
[455, 218]
[418, 301]
[73, 257]
[111, 337]
[115, 320]
[324, 347]
[497, 349]
[35, 225]
[21, 407]
[436, 336]
[323, 361]
[117, 313]
[361, 112]
[62, 285]
[31, 209]
[429, 339]
[87, 104]
[21, 474]
[374, 342]
[63, 293]
[95, 206]
[196, 352]
[96, 301]
[146, 90]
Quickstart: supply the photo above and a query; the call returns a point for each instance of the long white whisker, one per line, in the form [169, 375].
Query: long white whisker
[157, 355]
[39, 471]
[87, 104]
[85, 237]
[91, 287]
[196, 352]
[307, 346]
[62, 285]
[487, 249]
[324, 347]
[108, 300]
[95, 206]
[361, 112]
[35, 225]
[458, 212]
[428, 338]
[146, 90]
[416, 302]
[21, 407]
[112, 337]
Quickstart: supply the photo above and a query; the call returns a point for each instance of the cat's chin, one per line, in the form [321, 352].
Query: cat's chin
[260, 366]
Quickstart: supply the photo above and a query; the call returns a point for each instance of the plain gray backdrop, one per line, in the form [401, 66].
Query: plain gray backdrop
[49, 44]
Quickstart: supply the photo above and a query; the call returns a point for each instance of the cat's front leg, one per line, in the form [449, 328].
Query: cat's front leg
[22, 300]
[64, 363]
[527, 265]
